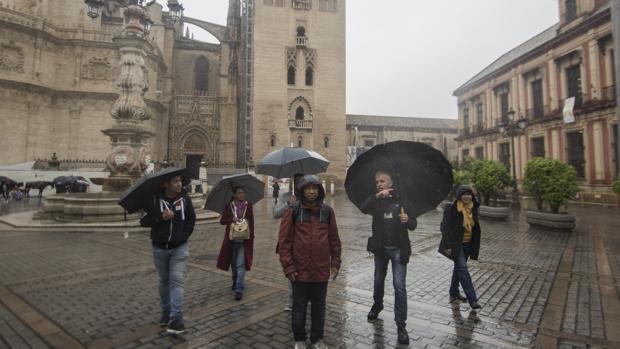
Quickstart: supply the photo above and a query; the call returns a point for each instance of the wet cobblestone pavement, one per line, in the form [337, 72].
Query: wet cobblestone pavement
[97, 290]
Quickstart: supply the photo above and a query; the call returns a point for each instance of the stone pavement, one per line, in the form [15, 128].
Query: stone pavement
[97, 290]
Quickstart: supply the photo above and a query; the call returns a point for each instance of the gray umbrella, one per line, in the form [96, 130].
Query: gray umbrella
[222, 193]
[286, 162]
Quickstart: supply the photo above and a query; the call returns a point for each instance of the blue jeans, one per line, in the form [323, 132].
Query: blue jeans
[460, 274]
[238, 266]
[171, 265]
[399, 276]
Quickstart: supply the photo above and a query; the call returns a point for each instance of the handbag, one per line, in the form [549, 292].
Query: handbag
[239, 229]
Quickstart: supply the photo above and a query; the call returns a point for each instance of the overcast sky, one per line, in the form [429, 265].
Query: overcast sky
[406, 57]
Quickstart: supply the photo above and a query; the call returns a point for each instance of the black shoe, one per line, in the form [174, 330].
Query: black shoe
[403, 336]
[238, 296]
[176, 327]
[233, 287]
[164, 320]
[373, 314]
[474, 305]
[458, 297]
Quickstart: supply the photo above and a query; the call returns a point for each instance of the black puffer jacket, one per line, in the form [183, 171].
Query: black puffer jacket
[376, 208]
[175, 232]
[452, 227]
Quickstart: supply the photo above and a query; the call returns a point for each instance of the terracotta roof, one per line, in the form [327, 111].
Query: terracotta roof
[401, 121]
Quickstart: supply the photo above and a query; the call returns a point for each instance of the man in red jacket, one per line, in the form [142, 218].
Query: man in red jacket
[309, 253]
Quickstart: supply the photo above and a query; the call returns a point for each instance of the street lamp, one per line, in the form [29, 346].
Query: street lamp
[93, 8]
[176, 10]
[512, 128]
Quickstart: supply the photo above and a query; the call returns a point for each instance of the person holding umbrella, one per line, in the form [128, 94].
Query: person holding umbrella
[310, 249]
[238, 244]
[389, 242]
[171, 218]
[288, 198]
[460, 240]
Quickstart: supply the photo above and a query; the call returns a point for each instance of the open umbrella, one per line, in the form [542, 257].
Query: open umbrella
[9, 182]
[140, 194]
[421, 174]
[222, 193]
[286, 162]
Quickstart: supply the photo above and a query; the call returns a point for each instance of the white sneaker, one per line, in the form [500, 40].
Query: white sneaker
[319, 345]
[288, 309]
[300, 345]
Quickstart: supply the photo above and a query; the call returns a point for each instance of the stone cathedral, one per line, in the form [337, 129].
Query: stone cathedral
[275, 78]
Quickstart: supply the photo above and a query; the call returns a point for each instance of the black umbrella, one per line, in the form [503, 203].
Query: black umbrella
[421, 174]
[222, 193]
[6, 180]
[287, 162]
[140, 194]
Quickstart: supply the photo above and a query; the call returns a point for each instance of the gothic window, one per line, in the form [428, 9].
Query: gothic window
[301, 31]
[575, 150]
[538, 147]
[201, 74]
[571, 10]
[291, 75]
[309, 76]
[300, 141]
[573, 80]
[537, 97]
[326, 142]
[273, 140]
[300, 113]
[504, 155]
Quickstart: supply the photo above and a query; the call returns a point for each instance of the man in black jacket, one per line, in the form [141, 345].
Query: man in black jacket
[391, 221]
[171, 219]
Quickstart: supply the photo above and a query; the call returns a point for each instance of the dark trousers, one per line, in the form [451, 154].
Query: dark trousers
[316, 294]
[399, 279]
[460, 274]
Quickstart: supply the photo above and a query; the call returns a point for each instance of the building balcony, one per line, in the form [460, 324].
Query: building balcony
[536, 113]
[302, 41]
[302, 5]
[300, 124]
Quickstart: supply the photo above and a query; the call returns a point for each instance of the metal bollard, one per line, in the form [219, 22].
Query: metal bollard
[332, 188]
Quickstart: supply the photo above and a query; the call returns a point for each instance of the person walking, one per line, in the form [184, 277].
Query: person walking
[460, 240]
[310, 253]
[389, 242]
[171, 218]
[238, 244]
[276, 191]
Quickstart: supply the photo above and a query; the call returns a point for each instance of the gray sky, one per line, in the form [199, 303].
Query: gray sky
[406, 57]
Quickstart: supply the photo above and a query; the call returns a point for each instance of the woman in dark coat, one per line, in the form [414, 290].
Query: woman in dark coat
[237, 254]
[460, 240]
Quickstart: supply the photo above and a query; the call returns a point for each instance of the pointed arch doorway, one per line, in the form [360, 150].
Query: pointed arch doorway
[194, 149]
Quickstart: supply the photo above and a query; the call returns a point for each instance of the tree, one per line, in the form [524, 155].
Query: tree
[459, 177]
[550, 181]
[488, 178]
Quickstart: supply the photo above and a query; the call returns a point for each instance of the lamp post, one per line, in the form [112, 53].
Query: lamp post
[511, 127]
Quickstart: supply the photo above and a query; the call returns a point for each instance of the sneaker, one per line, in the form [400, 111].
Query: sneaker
[164, 320]
[403, 336]
[474, 305]
[288, 308]
[319, 345]
[176, 327]
[373, 314]
[458, 297]
[300, 345]
[238, 296]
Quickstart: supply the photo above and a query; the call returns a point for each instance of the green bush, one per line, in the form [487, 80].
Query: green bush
[550, 181]
[489, 177]
[617, 185]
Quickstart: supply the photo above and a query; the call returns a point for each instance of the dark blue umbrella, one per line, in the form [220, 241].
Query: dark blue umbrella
[420, 173]
[140, 195]
[222, 193]
[287, 162]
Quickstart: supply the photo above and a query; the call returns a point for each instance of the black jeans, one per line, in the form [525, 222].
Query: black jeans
[316, 294]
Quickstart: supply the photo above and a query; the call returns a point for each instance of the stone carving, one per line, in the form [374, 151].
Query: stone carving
[300, 101]
[11, 57]
[311, 58]
[291, 57]
[112, 8]
[98, 68]
[133, 84]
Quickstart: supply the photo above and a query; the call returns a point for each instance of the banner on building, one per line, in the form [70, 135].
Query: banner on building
[569, 106]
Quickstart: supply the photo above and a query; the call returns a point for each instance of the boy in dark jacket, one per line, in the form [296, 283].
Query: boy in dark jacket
[391, 221]
[171, 219]
[309, 252]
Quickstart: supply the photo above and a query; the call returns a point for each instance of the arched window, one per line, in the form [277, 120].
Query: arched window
[301, 31]
[300, 113]
[300, 141]
[291, 75]
[201, 74]
[273, 140]
[309, 76]
[326, 142]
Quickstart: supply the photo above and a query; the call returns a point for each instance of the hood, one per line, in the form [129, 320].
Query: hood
[311, 179]
[462, 189]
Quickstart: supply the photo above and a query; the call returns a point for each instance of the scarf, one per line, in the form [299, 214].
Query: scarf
[240, 208]
[468, 217]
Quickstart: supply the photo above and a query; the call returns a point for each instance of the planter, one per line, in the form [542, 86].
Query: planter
[553, 221]
[496, 213]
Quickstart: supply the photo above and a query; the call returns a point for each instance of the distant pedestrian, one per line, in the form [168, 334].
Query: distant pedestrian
[171, 218]
[238, 245]
[276, 191]
[389, 242]
[310, 253]
[4, 191]
[460, 240]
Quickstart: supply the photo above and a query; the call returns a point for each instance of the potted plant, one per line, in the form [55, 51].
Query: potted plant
[553, 183]
[489, 178]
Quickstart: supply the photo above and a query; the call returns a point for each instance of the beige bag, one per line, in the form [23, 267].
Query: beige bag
[239, 229]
